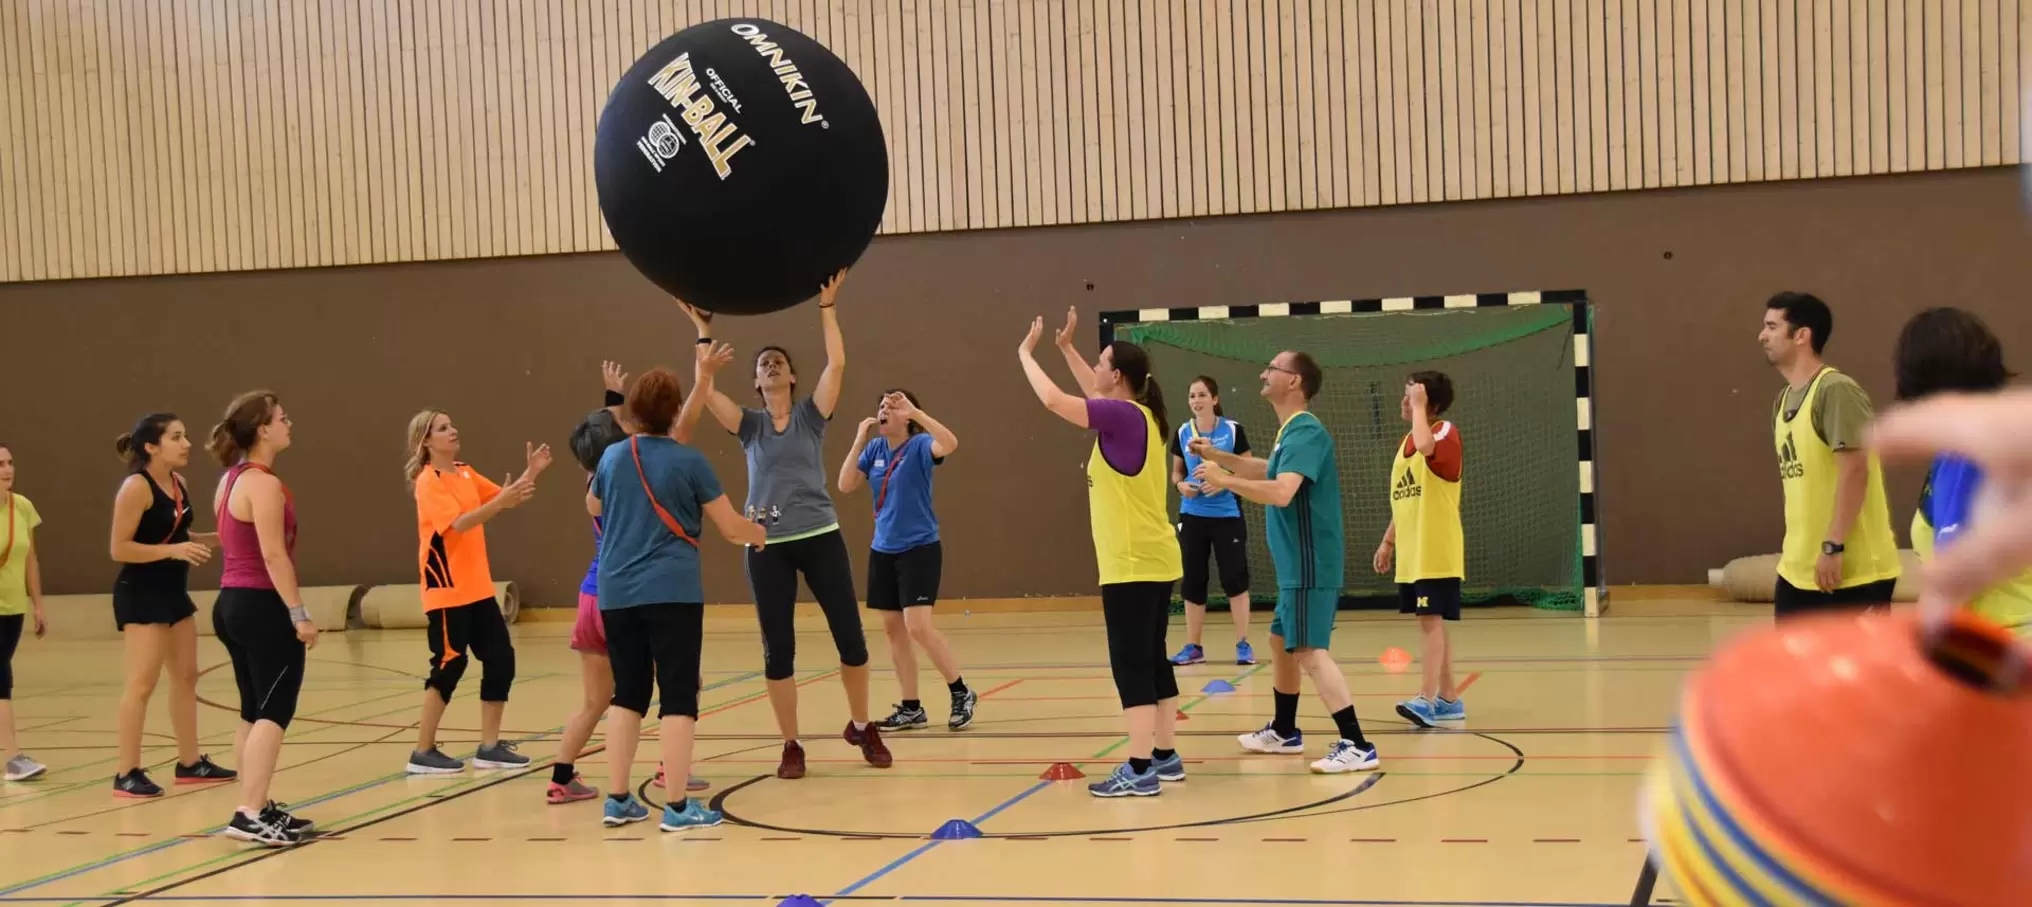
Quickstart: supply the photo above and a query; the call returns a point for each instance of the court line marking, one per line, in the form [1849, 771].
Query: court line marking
[915, 898]
[208, 832]
[899, 862]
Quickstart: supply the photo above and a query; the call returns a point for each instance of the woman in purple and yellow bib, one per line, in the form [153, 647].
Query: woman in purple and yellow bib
[1127, 491]
[1947, 350]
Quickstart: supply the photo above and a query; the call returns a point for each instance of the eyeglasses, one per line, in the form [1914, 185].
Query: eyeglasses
[1278, 368]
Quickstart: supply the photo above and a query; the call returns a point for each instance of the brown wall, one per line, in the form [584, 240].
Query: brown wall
[512, 349]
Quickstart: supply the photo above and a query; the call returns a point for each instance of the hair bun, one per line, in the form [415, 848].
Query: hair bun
[123, 444]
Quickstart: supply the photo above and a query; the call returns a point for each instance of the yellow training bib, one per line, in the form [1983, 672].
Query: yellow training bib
[1426, 509]
[1133, 538]
[1806, 469]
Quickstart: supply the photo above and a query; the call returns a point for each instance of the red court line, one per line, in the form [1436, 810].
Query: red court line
[1190, 760]
[1462, 689]
[763, 695]
[1013, 683]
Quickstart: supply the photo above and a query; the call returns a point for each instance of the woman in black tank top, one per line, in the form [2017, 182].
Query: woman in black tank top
[152, 542]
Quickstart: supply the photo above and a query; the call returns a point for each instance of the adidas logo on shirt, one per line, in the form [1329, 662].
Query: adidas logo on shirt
[1407, 487]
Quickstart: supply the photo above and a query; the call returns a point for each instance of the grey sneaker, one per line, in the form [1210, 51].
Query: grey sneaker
[22, 768]
[434, 762]
[501, 755]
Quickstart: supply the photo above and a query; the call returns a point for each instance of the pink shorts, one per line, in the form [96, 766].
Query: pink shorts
[589, 633]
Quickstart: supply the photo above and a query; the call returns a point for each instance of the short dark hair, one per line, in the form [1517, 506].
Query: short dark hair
[1805, 310]
[655, 399]
[910, 427]
[1438, 391]
[599, 431]
[1948, 349]
[1309, 376]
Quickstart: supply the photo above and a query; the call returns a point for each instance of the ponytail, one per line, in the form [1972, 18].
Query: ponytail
[133, 446]
[1152, 397]
[237, 433]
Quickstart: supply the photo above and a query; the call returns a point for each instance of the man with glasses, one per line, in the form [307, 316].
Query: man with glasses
[1299, 487]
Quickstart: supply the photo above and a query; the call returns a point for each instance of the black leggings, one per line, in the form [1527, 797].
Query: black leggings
[267, 657]
[656, 645]
[1137, 615]
[10, 636]
[480, 629]
[772, 575]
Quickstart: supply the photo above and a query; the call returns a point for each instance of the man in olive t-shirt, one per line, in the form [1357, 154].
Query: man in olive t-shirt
[1838, 551]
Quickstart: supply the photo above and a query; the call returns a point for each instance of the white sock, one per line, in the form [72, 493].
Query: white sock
[860, 725]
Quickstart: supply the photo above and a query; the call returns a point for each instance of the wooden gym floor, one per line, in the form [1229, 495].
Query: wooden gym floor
[1533, 803]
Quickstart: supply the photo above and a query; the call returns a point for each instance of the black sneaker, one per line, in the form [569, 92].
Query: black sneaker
[204, 771]
[280, 811]
[135, 786]
[260, 830]
[963, 710]
[904, 719]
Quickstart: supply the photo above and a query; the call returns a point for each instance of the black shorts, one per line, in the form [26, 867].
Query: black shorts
[1790, 600]
[1137, 616]
[656, 647]
[10, 636]
[142, 602]
[1439, 597]
[1226, 540]
[268, 659]
[906, 579]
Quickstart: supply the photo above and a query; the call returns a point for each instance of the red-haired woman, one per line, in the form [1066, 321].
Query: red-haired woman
[653, 496]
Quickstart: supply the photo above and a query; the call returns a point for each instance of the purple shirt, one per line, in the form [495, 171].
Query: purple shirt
[1124, 433]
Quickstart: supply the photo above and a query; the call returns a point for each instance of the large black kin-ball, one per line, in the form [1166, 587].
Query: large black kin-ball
[739, 165]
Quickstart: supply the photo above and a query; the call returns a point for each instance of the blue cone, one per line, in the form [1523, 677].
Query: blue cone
[1217, 686]
[955, 829]
[799, 900]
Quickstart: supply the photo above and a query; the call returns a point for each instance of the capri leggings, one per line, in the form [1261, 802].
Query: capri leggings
[10, 636]
[1137, 615]
[267, 657]
[772, 575]
[656, 646]
[478, 629]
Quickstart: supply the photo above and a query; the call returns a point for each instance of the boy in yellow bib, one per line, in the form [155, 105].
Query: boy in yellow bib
[1425, 522]
[1839, 551]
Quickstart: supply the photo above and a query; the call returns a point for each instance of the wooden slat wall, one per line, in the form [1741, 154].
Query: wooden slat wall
[169, 136]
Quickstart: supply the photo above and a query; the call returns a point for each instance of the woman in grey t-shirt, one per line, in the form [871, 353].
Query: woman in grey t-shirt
[787, 494]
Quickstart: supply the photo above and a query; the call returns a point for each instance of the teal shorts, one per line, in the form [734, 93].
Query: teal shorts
[1305, 617]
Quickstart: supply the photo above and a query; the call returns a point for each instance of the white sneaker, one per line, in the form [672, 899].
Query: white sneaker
[1269, 741]
[1345, 756]
[22, 768]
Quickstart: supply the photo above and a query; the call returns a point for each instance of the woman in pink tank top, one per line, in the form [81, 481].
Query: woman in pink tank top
[259, 617]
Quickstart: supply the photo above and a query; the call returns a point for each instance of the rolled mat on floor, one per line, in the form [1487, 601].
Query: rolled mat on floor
[90, 617]
[1755, 578]
[401, 607]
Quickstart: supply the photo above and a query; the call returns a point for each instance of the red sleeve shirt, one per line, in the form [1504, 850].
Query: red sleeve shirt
[1445, 461]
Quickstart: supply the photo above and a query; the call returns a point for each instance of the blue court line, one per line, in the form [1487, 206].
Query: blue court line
[922, 898]
[921, 851]
[325, 798]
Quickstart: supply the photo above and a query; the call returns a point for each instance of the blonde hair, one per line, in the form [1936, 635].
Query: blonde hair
[419, 441]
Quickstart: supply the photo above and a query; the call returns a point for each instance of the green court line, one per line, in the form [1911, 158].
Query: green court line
[334, 794]
[1184, 708]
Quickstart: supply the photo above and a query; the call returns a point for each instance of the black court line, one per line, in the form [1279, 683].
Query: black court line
[719, 803]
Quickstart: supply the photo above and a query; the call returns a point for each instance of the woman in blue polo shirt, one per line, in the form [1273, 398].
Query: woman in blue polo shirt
[894, 454]
[1210, 524]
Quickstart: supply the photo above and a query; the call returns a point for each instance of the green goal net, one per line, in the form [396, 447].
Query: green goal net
[1514, 404]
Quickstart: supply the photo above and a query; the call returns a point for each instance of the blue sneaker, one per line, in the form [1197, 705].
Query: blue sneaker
[622, 812]
[1244, 653]
[1124, 782]
[693, 815]
[1417, 711]
[1192, 654]
[1172, 769]
[1443, 710]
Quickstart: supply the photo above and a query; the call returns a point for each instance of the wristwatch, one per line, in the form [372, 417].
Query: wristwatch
[1832, 548]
